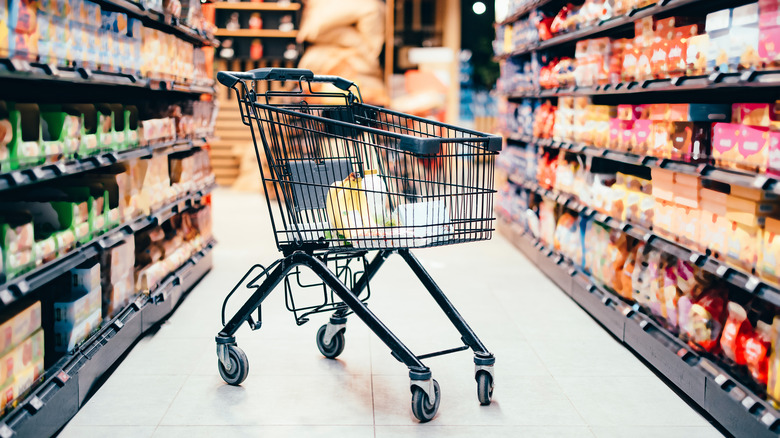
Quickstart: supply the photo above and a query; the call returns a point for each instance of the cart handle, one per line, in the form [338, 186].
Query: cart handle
[230, 78]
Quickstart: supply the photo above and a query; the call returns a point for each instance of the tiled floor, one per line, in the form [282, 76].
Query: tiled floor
[558, 373]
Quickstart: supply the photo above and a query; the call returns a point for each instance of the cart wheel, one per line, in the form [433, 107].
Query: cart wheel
[239, 366]
[484, 388]
[332, 349]
[422, 408]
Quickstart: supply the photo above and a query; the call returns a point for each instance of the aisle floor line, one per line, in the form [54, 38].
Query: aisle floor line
[558, 373]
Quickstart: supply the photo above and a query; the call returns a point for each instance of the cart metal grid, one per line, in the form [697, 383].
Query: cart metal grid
[349, 178]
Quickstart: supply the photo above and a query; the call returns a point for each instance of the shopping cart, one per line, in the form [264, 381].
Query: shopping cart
[349, 178]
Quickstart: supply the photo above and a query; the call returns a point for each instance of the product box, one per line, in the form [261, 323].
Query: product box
[769, 262]
[744, 35]
[117, 261]
[15, 388]
[641, 136]
[661, 140]
[24, 355]
[85, 277]
[742, 245]
[67, 337]
[750, 212]
[76, 307]
[19, 327]
[753, 193]
[117, 294]
[700, 112]
[687, 224]
[697, 50]
[753, 148]
[717, 27]
[713, 229]
[769, 45]
[690, 141]
[725, 139]
[663, 217]
[754, 114]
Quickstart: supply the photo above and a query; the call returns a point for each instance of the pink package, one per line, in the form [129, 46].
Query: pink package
[753, 146]
[774, 152]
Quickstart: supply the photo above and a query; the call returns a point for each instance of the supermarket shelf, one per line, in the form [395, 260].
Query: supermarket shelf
[20, 286]
[735, 276]
[528, 7]
[733, 405]
[158, 20]
[24, 177]
[605, 26]
[708, 171]
[33, 74]
[257, 33]
[713, 83]
[67, 384]
[255, 6]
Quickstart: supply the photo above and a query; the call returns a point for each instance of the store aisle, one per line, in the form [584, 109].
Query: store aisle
[558, 373]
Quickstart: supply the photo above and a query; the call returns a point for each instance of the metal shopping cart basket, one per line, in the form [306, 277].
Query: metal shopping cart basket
[349, 178]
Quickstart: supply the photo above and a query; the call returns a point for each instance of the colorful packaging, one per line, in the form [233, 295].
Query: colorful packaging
[735, 332]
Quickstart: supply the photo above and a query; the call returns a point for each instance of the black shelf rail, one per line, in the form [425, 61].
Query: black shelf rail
[22, 70]
[737, 277]
[708, 171]
[711, 83]
[66, 385]
[26, 283]
[46, 172]
[603, 27]
[159, 20]
[735, 406]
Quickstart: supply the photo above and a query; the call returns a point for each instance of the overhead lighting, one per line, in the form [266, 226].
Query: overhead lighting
[479, 8]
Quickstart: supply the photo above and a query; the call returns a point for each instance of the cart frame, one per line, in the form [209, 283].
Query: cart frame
[313, 254]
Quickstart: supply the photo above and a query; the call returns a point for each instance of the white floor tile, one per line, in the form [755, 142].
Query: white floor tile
[558, 373]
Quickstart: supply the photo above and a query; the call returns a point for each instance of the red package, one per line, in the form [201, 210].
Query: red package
[736, 331]
[705, 320]
[757, 352]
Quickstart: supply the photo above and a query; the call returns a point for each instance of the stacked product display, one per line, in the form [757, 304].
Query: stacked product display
[61, 33]
[641, 175]
[105, 218]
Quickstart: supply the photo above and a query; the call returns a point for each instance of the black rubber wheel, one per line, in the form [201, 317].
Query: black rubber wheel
[422, 408]
[239, 366]
[332, 349]
[484, 388]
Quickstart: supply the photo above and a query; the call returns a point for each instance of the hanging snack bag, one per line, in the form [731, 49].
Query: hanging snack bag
[705, 320]
[757, 352]
[735, 332]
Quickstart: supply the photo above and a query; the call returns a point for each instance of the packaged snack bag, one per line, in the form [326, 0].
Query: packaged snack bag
[705, 320]
[735, 332]
[757, 352]
[626, 284]
[773, 368]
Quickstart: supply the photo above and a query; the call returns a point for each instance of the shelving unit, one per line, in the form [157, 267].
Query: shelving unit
[234, 138]
[67, 384]
[734, 405]
[614, 24]
[734, 401]
[46, 407]
[705, 170]
[158, 20]
[715, 83]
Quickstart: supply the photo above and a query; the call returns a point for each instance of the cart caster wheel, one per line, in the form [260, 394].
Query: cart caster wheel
[422, 407]
[484, 388]
[334, 348]
[239, 366]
